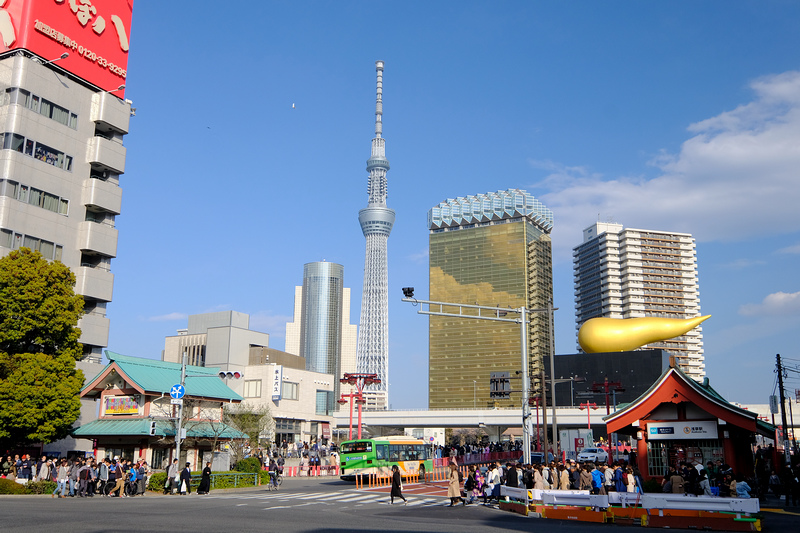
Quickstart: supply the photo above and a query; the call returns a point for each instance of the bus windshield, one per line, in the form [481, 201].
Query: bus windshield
[357, 447]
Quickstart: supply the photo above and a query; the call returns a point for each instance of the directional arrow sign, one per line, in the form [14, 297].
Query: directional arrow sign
[177, 391]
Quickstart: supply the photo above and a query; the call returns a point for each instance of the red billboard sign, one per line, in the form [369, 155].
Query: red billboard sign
[94, 33]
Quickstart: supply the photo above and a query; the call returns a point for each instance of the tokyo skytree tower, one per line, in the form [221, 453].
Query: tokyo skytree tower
[376, 223]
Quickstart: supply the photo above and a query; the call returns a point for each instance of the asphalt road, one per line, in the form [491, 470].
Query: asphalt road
[320, 505]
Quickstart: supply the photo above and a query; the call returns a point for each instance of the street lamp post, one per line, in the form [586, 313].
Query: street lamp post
[359, 381]
[474, 393]
[498, 314]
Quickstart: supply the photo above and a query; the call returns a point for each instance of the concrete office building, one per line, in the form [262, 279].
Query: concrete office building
[492, 249]
[62, 121]
[628, 273]
[298, 399]
[321, 331]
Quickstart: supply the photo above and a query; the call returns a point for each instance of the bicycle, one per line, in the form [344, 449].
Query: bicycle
[107, 487]
[131, 488]
[275, 480]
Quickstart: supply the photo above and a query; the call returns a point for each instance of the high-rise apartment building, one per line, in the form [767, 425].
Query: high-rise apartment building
[492, 249]
[376, 223]
[628, 273]
[62, 121]
[321, 331]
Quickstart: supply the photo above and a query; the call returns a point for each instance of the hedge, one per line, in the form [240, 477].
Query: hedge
[221, 480]
[251, 464]
[9, 486]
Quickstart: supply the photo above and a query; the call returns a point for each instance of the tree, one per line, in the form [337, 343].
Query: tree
[255, 421]
[39, 383]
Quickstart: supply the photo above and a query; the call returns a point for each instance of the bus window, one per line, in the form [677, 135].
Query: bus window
[357, 447]
[380, 452]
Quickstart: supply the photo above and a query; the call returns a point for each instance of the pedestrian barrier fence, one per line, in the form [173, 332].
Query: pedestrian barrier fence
[311, 471]
[382, 480]
[575, 498]
[477, 458]
[652, 501]
[625, 499]
[700, 503]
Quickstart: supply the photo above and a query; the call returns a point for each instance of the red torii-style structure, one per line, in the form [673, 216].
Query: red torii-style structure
[359, 380]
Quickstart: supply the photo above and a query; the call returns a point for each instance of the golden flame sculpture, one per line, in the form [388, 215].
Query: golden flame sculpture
[621, 334]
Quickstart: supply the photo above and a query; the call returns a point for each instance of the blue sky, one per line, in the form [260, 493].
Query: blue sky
[681, 116]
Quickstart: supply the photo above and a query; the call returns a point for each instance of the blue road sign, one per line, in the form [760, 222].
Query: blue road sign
[177, 391]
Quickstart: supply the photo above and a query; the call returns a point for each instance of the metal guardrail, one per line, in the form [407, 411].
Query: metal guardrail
[654, 502]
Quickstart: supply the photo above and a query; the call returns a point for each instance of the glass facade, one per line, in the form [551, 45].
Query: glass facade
[321, 325]
[498, 263]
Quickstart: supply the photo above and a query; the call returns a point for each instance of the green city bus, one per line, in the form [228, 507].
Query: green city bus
[376, 456]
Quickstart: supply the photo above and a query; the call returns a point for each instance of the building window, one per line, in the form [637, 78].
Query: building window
[51, 156]
[49, 250]
[290, 391]
[32, 196]
[323, 407]
[15, 95]
[252, 388]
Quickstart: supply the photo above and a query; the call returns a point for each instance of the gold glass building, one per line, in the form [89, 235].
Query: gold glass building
[494, 250]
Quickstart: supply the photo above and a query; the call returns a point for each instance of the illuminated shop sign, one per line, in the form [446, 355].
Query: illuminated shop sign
[95, 34]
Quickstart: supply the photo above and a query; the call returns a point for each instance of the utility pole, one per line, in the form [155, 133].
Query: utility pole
[179, 431]
[498, 314]
[552, 376]
[779, 369]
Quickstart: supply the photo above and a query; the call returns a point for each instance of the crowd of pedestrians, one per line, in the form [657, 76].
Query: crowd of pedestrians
[80, 477]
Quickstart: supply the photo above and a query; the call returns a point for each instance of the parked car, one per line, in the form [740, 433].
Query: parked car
[595, 455]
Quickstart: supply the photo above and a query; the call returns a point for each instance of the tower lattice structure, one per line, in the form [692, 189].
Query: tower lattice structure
[376, 223]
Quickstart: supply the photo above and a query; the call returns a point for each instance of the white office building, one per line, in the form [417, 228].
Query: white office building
[628, 273]
[62, 157]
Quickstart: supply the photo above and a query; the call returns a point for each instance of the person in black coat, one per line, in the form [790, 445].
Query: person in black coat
[397, 485]
[205, 482]
[186, 480]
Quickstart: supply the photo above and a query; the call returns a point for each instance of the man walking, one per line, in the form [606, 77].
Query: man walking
[172, 475]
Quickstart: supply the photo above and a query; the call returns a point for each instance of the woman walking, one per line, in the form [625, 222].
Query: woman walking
[454, 486]
[205, 482]
[397, 486]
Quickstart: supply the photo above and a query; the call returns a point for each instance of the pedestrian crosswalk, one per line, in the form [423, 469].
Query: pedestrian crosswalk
[342, 499]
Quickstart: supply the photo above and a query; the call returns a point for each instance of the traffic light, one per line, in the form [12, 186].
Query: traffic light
[499, 385]
[152, 428]
[230, 375]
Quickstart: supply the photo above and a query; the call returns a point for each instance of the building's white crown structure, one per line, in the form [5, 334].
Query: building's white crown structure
[376, 222]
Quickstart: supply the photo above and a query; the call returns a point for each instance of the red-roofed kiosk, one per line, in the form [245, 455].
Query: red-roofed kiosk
[678, 419]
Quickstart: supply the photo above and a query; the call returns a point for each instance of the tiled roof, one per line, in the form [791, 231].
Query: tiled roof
[141, 427]
[154, 376]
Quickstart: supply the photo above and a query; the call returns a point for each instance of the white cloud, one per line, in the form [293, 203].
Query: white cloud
[275, 325]
[741, 264]
[775, 304]
[735, 178]
[169, 317]
[793, 249]
[420, 257]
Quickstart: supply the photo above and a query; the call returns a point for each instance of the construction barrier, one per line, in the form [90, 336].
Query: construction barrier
[297, 471]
